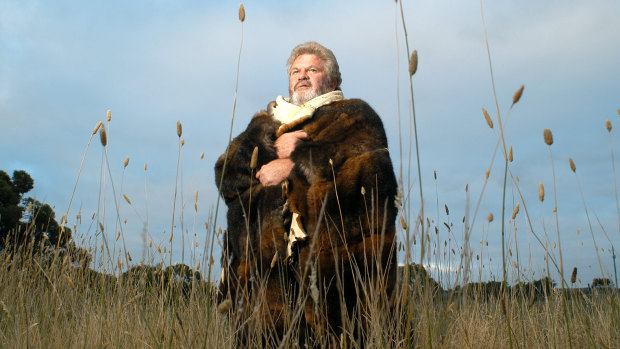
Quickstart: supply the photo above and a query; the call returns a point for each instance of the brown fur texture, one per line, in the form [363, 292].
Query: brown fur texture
[349, 248]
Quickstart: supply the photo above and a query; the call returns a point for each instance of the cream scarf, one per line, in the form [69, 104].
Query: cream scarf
[291, 115]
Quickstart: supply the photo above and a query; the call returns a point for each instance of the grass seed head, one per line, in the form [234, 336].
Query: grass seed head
[447, 211]
[618, 111]
[145, 166]
[182, 141]
[608, 125]
[108, 115]
[97, 127]
[572, 164]
[573, 276]
[241, 13]
[541, 192]
[548, 136]
[102, 136]
[490, 218]
[127, 199]
[487, 117]
[202, 155]
[510, 154]
[179, 129]
[413, 63]
[514, 213]
[226, 305]
[126, 162]
[486, 174]
[517, 96]
[403, 223]
[254, 159]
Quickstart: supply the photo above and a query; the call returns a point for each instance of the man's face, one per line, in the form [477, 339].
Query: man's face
[308, 79]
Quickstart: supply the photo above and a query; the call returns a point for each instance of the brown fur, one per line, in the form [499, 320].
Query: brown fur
[351, 236]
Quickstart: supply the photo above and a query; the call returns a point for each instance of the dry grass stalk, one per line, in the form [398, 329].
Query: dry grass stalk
[413, 63]
[608, 125]
[541, 192]
[517, 96]
[548, 136]
[241, 13]
[254, 159]
[572, 164]
[487, 117]
[179, 128]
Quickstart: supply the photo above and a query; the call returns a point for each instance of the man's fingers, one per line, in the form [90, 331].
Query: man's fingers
[301, 134]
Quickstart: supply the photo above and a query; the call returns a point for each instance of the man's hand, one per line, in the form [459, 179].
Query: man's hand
[286, 143]
[275, 172]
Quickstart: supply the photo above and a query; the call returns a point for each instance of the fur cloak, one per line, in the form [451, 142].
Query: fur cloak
[342, 187]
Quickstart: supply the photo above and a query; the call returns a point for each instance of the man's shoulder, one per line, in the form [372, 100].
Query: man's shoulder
[353, 105]
[352, 108]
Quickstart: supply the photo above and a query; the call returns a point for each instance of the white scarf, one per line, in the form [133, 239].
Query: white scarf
[291, 115]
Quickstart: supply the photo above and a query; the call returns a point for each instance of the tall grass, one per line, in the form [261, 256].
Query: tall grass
[50, 297]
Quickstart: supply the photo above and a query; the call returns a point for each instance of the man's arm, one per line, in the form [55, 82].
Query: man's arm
[238, 174]
[276, 171]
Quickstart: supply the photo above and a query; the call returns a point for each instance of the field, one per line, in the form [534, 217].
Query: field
[93, 293]
[54, 303]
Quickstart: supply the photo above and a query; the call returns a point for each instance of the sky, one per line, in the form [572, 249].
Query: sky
[63, 64]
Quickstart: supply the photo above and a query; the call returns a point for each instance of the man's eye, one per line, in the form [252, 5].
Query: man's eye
[313, 70]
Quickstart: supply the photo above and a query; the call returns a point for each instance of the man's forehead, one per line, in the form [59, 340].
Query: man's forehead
[307, 59]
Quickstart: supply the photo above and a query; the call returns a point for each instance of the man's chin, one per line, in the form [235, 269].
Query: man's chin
[299, 98]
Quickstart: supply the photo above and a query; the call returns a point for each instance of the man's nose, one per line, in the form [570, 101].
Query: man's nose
[303, 75]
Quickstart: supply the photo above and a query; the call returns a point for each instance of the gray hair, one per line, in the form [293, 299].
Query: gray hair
[325, 54]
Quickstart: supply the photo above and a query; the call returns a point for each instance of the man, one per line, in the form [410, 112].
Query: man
[314, 227]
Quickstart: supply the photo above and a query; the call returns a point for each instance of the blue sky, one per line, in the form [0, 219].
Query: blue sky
[63, 64]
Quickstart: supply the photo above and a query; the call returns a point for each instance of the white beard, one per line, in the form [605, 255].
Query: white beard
[299, 98]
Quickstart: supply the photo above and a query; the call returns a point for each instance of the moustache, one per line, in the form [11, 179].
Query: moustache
[303, 84]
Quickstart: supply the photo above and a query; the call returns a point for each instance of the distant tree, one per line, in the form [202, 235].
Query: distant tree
[25, 220]
[418, 277]
[40, 220]
[602, 282]
[11, 192]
